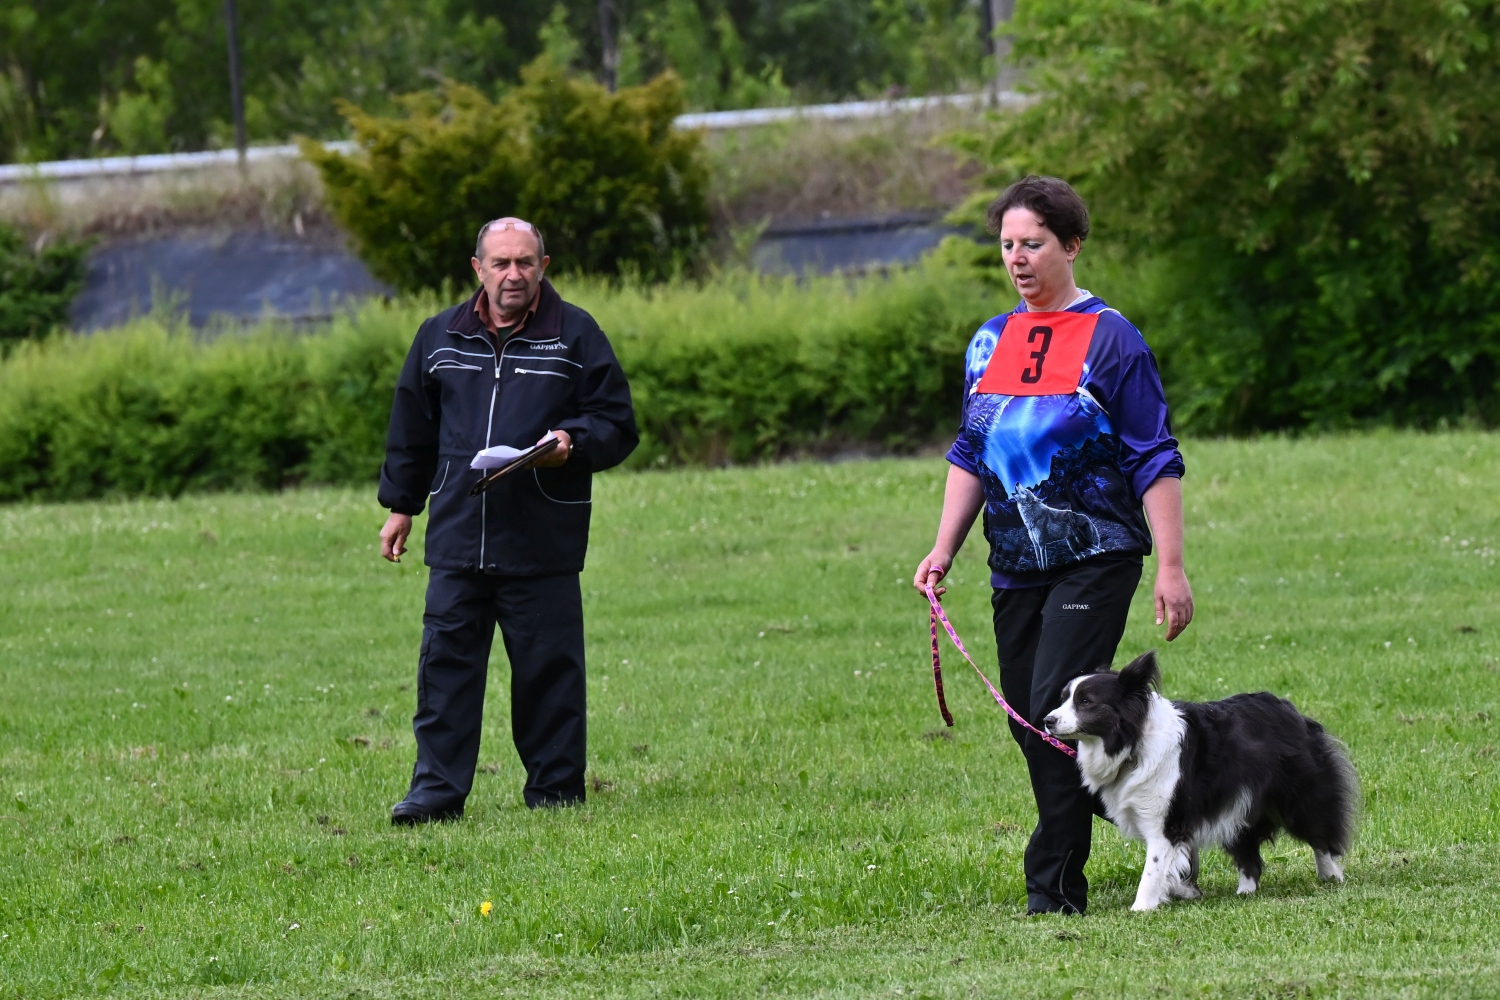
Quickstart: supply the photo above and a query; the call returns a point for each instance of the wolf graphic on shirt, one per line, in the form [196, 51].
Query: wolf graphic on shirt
[1057, 536]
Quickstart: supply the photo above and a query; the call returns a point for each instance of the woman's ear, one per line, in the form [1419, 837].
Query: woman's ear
[1073, 248]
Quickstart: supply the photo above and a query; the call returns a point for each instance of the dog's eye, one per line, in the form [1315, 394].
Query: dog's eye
[1081, 699]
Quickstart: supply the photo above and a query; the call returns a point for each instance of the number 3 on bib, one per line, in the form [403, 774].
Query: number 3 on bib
[1039, 354]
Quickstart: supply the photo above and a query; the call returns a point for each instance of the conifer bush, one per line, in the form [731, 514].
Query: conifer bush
[614, 188]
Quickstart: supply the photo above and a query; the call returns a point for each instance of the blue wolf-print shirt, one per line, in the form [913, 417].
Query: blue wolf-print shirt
[1064, 450]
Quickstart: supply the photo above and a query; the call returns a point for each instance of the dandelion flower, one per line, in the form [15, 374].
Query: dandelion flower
[485, 908]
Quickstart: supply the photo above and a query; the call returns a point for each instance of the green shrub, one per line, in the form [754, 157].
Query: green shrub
[36, 286]
[1300, 198]
[612, 185]
[146, 410]
[738, 369]
[351, 373]
[749, 368]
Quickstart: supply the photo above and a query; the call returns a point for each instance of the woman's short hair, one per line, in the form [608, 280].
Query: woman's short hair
[1051, 198]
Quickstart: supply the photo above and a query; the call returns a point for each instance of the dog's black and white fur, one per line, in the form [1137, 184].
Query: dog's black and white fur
[1184, 775]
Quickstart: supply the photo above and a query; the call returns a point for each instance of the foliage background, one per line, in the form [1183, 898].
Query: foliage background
[1295, 201]
[81, 78]
[1300, 196]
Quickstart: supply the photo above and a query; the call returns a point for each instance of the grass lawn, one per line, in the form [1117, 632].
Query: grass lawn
[206, 716]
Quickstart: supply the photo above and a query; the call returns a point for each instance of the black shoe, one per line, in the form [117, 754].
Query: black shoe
[562, 803]
[410, 814]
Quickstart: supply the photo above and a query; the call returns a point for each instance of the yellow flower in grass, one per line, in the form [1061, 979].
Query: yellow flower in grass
[485, 908]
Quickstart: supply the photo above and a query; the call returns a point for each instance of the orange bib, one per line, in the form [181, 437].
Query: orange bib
[1039, 354]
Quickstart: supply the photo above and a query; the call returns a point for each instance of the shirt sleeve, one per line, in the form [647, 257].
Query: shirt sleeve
[961, 454]
[411, 442]
[604, 432]
[1138, 410]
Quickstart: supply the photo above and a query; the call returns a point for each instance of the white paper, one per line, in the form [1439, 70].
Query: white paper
[499, 456]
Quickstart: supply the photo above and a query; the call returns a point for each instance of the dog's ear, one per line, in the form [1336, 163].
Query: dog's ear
[1141, 674]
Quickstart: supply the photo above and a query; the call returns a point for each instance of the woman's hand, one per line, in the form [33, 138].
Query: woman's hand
[932, 569]
[962, 499]
[1174, 599]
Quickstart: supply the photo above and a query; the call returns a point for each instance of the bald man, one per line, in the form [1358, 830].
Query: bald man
[510, 366]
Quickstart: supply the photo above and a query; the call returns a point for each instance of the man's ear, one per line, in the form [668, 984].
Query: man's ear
[478, 267]
[1141, 674]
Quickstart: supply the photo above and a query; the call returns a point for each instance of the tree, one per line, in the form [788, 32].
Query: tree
[83, 77]
[68, 67]
[1309, 191]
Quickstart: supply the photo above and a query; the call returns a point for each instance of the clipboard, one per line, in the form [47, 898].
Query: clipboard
[525, 460]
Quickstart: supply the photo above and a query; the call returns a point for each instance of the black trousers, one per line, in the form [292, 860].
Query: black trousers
[541, 620]
[1046, 636]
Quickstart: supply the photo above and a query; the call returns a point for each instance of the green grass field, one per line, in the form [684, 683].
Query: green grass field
[206, 718]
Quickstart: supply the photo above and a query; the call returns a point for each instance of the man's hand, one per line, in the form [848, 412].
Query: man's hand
[393, 536]
[932, 569]
[1174, 600]
[559, 455]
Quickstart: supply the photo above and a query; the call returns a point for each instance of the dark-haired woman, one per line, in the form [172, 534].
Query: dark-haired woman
[1066, 446]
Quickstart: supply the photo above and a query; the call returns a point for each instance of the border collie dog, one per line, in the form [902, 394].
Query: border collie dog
[1183, 775]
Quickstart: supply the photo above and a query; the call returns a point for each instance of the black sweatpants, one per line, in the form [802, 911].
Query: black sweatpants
[541, 620]
[1046, 636]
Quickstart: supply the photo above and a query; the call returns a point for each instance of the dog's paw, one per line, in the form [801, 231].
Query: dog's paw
[1248, 885]
[1145, 905]
[1329, 870]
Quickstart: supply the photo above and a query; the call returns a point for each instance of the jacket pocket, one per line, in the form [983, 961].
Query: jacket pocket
[564, 485]
[447, 467]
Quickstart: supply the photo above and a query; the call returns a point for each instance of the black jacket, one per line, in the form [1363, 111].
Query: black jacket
[456, 397]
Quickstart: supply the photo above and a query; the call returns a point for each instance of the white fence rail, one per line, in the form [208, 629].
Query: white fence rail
[125, 166]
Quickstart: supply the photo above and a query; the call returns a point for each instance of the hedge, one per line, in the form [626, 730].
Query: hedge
[738, 369]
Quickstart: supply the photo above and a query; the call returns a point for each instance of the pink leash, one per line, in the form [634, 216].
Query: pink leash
[937, 676]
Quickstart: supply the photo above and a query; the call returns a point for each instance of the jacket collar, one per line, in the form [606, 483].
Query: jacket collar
[546, 324]
[1086, 300]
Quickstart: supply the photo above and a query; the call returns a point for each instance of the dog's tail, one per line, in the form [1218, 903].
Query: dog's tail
[1342, 791]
